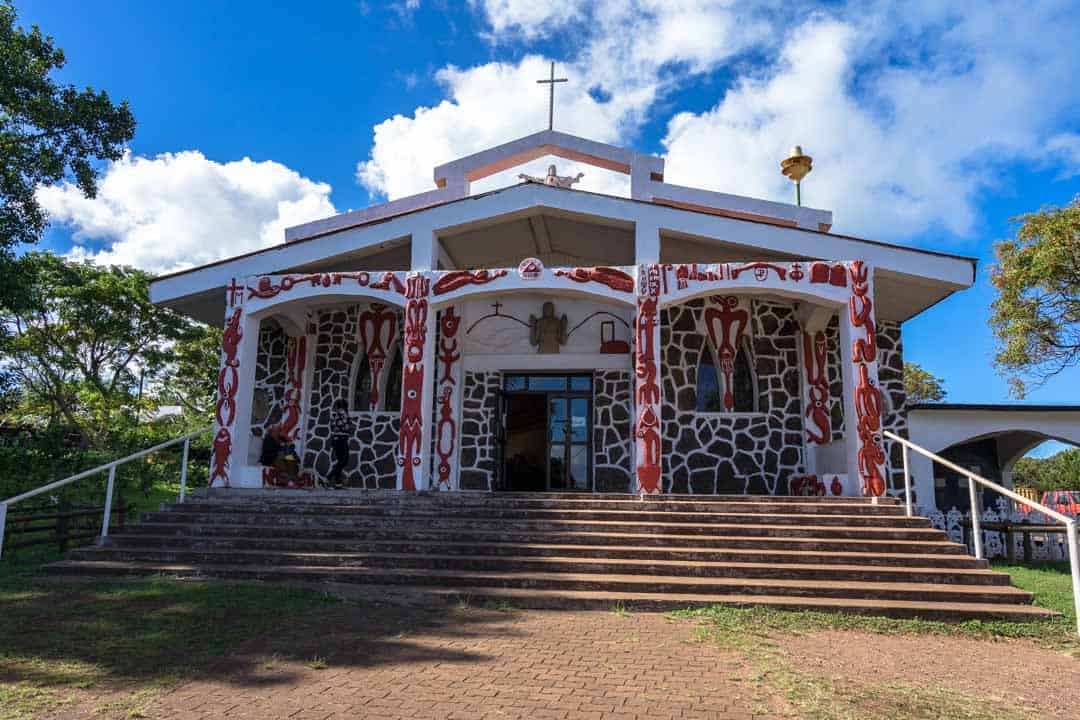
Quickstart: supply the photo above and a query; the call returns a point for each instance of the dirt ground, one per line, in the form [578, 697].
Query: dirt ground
[463, 662]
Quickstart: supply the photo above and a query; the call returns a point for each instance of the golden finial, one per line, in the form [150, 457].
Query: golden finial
[795, 168]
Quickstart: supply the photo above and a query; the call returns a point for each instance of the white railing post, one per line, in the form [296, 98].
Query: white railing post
[1074, 563]
[108, 504]
[976, 525]
[183, 470]
[907, 481]
[3, 526]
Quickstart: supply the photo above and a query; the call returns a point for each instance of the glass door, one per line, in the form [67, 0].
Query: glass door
[568, 442]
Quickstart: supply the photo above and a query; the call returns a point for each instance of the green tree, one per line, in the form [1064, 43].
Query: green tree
[1037, 311]
[48, 132]
[84, 340]
[1057, 472]
[920, 386]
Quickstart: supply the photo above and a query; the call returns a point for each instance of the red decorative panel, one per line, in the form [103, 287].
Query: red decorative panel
[761, 271]
[410, 440]
[378, 328]
[646, 369]
[819, 422]
[612, 277]
[834, 274]
[448, 380]
[868, 404]
[726, 323]
[460, 278]
[296, 360]
[265, 287]
[228, 382]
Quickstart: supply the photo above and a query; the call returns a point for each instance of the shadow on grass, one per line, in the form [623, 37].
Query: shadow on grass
[159, 631]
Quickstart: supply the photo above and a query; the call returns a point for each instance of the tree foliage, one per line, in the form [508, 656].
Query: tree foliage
[1057, 472]
[1037, 312]
[48, 132]
[88, 360]
[920, 386]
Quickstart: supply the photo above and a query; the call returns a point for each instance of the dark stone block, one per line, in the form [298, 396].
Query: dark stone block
[744, 442]
[745, 464]
[789, 456]
[703, 482]
[759, 430]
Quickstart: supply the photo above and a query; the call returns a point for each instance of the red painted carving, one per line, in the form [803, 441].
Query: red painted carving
[219, 467]
[295, 360]
[796, 273]
[684, 273]
[868, 405]
[265, 287]
[732, 321]
[446, 429]
[761, 271]
[378, 327]
[612, 277]
[412, 380]
[271, 477]
[460, 278]
[819, 429]
[834, 274]
[646, 370]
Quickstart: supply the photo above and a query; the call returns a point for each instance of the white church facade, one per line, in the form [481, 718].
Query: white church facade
[539, 337]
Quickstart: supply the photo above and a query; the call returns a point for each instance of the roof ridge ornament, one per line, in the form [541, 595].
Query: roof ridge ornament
[553, 179]
[550, 82]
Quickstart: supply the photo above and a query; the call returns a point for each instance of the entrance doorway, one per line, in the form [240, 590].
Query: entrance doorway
[547, 431]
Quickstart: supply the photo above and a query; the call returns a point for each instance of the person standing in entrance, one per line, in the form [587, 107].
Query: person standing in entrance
[341, 429]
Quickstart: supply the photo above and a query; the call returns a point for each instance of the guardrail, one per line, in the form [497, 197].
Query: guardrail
[976, 529]
[111, 469]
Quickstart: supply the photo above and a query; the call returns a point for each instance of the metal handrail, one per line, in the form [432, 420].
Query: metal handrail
[111, 468]
[1070, 523]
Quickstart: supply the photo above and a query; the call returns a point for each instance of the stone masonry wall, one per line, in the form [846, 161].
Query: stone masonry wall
[271, 371]
[612, 447]
[479, 449]
[740, 452]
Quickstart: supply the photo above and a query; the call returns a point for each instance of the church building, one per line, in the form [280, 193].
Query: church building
[540, 337]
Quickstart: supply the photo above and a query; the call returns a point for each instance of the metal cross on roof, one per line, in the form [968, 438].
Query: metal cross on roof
[551, 94]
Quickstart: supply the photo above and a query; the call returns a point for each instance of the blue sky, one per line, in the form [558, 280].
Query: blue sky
[931, 123]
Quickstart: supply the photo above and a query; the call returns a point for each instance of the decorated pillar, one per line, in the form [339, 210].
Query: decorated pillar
[377, 327]
[647, 410]
[235, 389]
[862, 397]
[448, 394]
[418, 342]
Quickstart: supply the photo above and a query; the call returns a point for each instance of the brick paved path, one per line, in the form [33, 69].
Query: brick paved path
[471, 663]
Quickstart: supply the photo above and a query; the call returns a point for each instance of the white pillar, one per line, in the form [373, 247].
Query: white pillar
[648, 438]
[235, 390]
[424, 250]
[862, 397]
[418, 346]
[646, 243]
[448, 394]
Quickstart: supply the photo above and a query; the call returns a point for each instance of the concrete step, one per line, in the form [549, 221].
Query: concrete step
[853, 572]
[280, 495]
[490, 503]
[338, 513]
[451, 545]
[763, 526]
[626, 583]
[936, 542]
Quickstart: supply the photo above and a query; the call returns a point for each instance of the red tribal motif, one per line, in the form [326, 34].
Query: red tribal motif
[265, 287]
[612, 277]
[732, 322]
[272, 477]
[646, 370]
[295, 360]
[456, 279]
[834, 274]
[378, 328]
[761, 271]
[446, 429]
[410, 440]
[819, 425]
[868, 405]
[225, 410]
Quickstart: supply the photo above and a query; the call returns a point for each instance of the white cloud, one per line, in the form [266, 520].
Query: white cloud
[179, 210]
[1064, 148]
[527, 16]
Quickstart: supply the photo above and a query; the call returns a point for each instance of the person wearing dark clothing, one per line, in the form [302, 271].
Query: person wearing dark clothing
[341, 429]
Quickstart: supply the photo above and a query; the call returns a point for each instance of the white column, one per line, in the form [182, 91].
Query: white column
[646, 243]
[236, 383]
[424, 250]
[648, 438]
[418, 346]
[862, 397]
[448, 394]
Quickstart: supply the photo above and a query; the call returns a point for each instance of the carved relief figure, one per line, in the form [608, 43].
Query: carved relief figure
[553, 179]
[547, 332]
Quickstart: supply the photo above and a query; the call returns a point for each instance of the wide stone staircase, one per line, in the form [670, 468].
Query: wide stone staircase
[570, 551]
